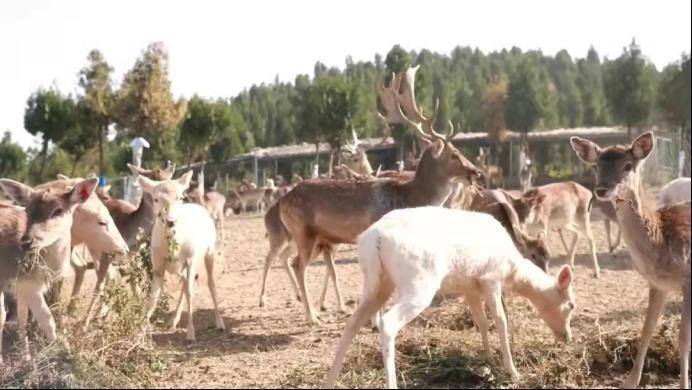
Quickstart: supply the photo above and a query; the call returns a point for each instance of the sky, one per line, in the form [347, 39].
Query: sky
[219, 48]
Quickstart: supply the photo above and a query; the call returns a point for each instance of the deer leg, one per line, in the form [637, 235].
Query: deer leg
[586, 228]
[606, 224]
[373, 300]
[406, 308]
[325, 286]
[41, 312]
[684, 342]
[157, 284]
[656, 300]
[480, 320]
[494, 300]
[329, 259]
[273, 249]
[101, 277]
[178, 308]
[211, 284]
[285, 256]
[22, 317]
[76, 286]
[562, 238]
[189, 295]
[573, 248]
[306, 247]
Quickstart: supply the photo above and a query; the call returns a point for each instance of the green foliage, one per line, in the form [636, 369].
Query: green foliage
[145, 106]
[674, 92]
[52, 115]
[477, 91]
[629, 86]
[13, 159]
[95, 107]
[529, 98]
[329, 108]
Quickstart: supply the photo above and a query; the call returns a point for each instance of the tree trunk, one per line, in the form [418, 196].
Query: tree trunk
[331, 162]
[44, 152]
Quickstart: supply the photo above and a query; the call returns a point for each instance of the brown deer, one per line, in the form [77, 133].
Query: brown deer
[319, 214]
[559, 206]
[491, 173]
[213, 201]
[658, 239]
[35, 246]
[495, 203]
[129, 219]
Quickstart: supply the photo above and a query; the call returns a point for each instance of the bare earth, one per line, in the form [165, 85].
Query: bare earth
[274, 347]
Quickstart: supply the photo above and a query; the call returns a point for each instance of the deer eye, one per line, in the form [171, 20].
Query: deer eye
[57, 212]
[628, 167]
[103, 223]
[156, 200]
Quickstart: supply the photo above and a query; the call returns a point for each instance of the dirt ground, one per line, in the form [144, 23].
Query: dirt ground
[274, 347]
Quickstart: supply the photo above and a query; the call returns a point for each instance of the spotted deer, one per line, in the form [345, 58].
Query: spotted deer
[559, 206]
[320, 214]
[495, 203]
[418, 251]
[35, 246]
[658, 240]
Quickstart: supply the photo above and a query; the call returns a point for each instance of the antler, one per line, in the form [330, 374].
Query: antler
[400, 103]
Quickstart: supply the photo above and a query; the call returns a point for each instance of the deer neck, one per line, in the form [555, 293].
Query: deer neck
[428, 187]
[529, 281]
[639, 224]
[144, 215]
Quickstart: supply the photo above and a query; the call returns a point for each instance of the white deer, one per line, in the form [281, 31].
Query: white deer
[422, 250]
[675, 191]
[183, 236]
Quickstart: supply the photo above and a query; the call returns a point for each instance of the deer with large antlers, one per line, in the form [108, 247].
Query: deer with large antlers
[322, 214]
[658, 240]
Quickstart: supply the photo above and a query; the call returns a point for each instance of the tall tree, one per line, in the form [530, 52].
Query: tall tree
[95, 103]
[590, 83]
[197, 129]
[329, 111]
[12, 158]
[145, 104]
[53, 116]
[528, 98]
[629, 85]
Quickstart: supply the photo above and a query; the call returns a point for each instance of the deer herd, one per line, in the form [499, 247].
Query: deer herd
[432, 230]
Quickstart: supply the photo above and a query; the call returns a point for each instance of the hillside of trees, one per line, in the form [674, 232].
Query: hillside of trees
[508, 89]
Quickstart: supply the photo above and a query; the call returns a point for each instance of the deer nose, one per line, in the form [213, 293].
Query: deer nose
[170, 223]
[26, 242]
[600, 191]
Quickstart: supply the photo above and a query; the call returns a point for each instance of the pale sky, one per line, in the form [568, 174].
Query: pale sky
[218, 48]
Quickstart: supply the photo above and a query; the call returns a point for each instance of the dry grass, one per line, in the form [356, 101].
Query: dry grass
[111, 353]
[273, 347]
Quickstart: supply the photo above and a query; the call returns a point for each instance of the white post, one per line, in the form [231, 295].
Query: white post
[134, 193]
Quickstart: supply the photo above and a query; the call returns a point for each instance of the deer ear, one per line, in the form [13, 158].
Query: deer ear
[146, 183]
[18, 192]
[60, 176]
[564, 277]
[586, 150]
[643, 145]
[184, 180]
[83, 190]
